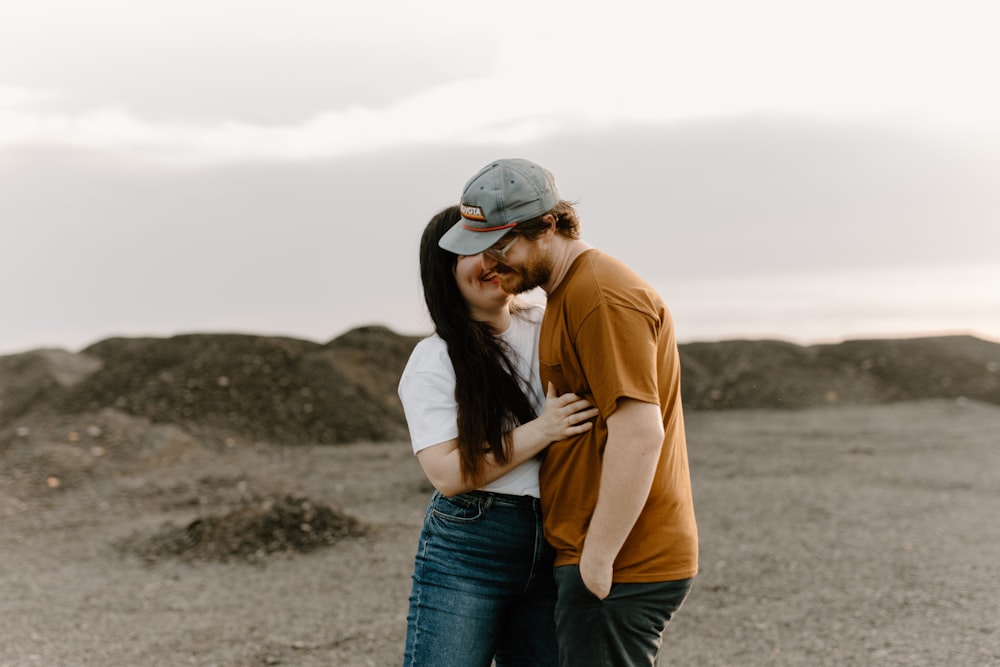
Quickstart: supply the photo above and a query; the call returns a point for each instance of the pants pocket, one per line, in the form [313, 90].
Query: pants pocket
[456, 509]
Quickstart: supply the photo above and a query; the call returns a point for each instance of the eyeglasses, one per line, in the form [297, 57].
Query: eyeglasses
[501, 253]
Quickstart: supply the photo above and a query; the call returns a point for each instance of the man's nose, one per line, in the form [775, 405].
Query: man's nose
[488, 261]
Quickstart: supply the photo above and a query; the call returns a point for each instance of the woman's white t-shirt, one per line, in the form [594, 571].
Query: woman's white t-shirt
[427, 391]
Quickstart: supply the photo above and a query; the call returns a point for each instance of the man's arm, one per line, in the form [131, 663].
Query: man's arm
[635, 438]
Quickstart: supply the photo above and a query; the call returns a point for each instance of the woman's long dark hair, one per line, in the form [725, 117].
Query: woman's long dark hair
[490, 399]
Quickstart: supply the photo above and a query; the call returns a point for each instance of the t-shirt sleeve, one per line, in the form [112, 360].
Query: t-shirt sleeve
[428, 397]
[617, 345]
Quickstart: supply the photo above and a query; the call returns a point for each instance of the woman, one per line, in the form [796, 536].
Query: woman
[482, 580]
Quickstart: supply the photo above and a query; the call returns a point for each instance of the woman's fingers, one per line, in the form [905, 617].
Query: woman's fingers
[573, 412]
[582, 416]
[570, 400]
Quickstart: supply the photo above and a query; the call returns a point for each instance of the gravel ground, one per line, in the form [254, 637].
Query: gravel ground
[831, 536]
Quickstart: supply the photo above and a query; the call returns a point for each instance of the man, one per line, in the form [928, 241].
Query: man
[616, 499]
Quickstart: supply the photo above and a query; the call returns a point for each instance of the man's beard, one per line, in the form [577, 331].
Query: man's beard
[535, 272]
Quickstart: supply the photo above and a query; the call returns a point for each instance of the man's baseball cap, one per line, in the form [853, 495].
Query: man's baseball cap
[502, 194]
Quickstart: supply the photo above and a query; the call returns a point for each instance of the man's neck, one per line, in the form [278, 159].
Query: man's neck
[564, 254]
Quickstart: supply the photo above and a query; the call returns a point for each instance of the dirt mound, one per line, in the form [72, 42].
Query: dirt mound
[30, 379]
[289, 391]
[776, 374]
[373, 358]
[271, 525]
[263, 388]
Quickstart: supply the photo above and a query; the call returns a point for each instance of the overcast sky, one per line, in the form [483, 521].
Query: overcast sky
[809, 171]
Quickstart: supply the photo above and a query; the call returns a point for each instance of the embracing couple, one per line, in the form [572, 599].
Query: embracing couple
[562, 528]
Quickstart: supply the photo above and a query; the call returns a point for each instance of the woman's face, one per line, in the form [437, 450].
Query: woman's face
[480, 287]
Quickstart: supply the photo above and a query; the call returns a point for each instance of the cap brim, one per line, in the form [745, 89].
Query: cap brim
[462, 241]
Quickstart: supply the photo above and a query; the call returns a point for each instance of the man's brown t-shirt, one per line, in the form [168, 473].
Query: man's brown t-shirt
[607, 335]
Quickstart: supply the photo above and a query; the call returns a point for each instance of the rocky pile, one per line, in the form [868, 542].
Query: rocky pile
[249, 533]
[262, 388]
[775, 374]
[288, 391]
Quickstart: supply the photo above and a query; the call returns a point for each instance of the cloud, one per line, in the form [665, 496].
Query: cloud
[705, 141]
[440, 115]
[315, 81]
[784, 224]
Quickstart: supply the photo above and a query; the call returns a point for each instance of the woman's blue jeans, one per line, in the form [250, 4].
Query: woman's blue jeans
[483, 588]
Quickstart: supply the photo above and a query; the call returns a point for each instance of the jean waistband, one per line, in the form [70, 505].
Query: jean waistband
[490, 498]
